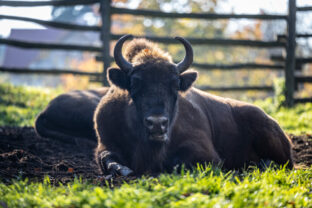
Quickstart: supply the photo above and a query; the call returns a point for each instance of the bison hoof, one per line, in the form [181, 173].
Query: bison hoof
[117, 169]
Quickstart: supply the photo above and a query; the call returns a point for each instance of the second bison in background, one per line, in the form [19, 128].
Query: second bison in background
[152, 119]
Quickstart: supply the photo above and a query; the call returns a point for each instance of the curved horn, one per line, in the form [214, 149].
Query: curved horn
[119, 59]
[188, 59]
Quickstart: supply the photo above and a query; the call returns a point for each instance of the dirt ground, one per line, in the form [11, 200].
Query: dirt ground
[24, 154]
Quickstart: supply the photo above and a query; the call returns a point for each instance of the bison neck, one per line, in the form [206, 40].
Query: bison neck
[149, 157]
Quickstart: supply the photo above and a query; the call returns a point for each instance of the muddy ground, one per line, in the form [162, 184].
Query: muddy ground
[24, 154]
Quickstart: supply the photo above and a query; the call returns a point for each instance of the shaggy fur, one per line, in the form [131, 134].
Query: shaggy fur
[203, 127]
[140, 51]
[68, 117]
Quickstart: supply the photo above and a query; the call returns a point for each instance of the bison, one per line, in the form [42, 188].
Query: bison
[151, 119]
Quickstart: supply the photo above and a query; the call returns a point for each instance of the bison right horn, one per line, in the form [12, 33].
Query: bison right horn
[119, 59]
[188, 59]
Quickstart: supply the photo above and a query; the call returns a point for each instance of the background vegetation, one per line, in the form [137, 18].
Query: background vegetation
[212, 54]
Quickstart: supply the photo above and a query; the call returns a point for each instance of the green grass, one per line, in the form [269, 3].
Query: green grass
[20, 105]
[296, 120]
[202, 188]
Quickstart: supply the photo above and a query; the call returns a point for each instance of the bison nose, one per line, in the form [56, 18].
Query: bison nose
[156, 124]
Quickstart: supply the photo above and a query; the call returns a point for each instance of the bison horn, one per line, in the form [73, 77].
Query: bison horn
[188, 59]
[119, 59]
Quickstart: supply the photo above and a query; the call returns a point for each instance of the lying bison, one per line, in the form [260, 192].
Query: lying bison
[152, 119]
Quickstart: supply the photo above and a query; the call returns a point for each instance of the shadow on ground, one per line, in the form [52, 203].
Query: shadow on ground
[24, 154]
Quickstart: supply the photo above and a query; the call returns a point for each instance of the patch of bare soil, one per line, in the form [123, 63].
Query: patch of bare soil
[24, 154]
[302, 149]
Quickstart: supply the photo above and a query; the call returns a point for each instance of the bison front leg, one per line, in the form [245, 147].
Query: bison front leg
[110, 165]
[192, 153]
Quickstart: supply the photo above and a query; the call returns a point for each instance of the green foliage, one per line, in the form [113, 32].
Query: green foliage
[296, 120]
[204, 187]
[279, 88]
[20, 105]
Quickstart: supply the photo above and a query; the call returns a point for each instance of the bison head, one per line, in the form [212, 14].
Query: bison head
[154, 86]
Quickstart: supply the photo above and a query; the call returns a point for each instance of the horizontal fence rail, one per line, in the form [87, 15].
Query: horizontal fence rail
[51, 46]
[250, 66]
[303, 100]
[206, 16]
[283, 37]
[237, 88]
[211, 88]
[304, 35]
[298, 60]
[212, 41]
[48, 71]
[48, 3]
[59, 25]
[234, 66]
[304, 9]
[301, 79]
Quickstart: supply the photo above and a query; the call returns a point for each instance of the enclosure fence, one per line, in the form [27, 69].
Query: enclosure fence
[287, 42]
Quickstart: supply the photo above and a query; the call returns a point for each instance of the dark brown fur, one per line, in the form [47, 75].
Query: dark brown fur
[205, 128]
[69, 116]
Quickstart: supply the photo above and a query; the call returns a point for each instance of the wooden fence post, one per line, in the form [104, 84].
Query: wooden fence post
[291, 56]
[105, 36]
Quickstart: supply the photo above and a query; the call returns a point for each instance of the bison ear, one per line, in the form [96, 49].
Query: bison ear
[187, 79]
[118, 78]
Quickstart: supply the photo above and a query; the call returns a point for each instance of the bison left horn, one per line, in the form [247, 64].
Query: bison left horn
[188, 59]
[119, 59]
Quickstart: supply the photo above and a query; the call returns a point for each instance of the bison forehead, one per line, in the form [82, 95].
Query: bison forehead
[155, 71]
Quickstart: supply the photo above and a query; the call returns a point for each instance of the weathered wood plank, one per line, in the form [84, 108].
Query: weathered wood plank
[206, 16]
[237, 88]
[238, 66]
[290, 58]
[59, 25]
[50, 46]
[51, 71]
[212, 41]
[304, 9]
[47, 3]
[234, 66]
[106, 36]
[302, 78]
[303, 100]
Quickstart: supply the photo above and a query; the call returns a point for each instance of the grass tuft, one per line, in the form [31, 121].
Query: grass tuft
[205, 187]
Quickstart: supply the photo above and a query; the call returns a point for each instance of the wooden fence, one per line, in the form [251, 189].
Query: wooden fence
[288, 42]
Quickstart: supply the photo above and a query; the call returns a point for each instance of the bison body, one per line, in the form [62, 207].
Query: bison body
[151, 119]
[69, 116]
[207, 129]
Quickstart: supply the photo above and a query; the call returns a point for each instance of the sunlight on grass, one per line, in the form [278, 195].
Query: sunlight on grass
[20, 105]
[205, 187]
[296, 120]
